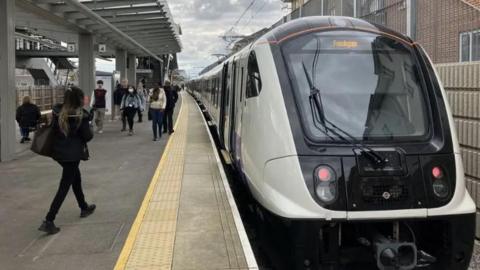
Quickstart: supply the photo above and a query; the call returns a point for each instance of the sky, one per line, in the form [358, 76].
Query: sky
[204, 21]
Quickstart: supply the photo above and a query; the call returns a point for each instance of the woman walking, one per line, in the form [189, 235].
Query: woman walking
[131, 103]
[72, 132]
[158, 102]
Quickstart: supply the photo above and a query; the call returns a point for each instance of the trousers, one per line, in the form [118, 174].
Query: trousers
[70, 177]
[99, 118]
[157, 117]
[130, 114]
[168, 120]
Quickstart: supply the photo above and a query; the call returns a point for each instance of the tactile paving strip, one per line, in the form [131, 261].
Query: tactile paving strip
[154, 241]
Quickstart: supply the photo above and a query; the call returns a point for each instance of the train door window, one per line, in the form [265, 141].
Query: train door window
[254, 82]
[217, 101]
[241, 85]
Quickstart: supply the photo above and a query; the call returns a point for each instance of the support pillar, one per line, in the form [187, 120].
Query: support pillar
[121, 62]
[86, 64]
[132, 70]
[411, 18]
[8, 91]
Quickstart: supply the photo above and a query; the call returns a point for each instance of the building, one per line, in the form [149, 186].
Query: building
[449, 30]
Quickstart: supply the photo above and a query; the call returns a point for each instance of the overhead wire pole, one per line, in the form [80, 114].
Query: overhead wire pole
[232, 36]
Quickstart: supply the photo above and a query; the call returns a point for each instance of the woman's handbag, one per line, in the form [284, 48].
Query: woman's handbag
[43, 141]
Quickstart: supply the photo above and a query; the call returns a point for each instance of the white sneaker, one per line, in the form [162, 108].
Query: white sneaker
[100, 132]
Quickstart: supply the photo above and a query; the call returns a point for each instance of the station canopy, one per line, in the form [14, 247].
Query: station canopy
[142, 27]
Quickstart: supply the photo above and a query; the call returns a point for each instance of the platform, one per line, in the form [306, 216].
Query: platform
[160, 205]
[186, 220]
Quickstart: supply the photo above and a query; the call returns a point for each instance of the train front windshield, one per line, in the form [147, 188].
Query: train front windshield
[369, 86]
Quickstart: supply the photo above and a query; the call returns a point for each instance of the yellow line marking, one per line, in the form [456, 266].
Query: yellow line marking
[134, 230]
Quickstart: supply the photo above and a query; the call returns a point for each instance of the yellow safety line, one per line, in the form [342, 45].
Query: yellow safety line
[132, 235]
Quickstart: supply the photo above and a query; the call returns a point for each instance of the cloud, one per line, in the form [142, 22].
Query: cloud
[204, 21]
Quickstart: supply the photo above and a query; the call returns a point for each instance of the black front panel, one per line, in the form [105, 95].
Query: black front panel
[385, 192]
[357, 191]
[447, 164]
[310, 163]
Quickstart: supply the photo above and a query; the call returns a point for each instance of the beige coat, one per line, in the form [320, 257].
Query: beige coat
[161, 103]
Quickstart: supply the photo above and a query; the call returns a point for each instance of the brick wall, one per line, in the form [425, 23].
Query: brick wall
[462, 83]
[439, 24]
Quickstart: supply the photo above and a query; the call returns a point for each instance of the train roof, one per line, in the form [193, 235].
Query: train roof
[313, 23]
[326, 22]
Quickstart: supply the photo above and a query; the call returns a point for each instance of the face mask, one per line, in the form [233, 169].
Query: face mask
[130, 90]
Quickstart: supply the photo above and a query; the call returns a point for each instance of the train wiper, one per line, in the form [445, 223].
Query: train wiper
[316, 100]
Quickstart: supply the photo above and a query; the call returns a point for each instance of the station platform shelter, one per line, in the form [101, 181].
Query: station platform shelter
[160, 205]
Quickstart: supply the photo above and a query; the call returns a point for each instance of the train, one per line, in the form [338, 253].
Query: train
[341, 129]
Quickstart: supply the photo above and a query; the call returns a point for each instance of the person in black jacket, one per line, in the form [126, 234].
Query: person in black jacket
[27, 117]
[172, 97]
[72, 131]
[118, 97]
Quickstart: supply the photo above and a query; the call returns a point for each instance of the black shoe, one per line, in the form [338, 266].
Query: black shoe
[28, 139]
[22, 140]
[49, 227]
[170, 132]
[164, 131]
[123, 129]
[154, 139]
[88, 211]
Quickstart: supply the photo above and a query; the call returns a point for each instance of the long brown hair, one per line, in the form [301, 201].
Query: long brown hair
[156, 94]
[72, 108]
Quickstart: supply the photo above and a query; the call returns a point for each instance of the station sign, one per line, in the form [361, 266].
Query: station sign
[71, 47]
[102, 48]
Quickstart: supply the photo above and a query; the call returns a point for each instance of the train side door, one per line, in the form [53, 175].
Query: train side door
[233, 107]
[224, 104]
[239, 112]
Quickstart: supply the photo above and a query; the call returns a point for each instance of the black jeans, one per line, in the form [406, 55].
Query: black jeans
[140, 115]
[124, 120]
[70, 177]
[130, 114]
[168, 120]
[25, 132]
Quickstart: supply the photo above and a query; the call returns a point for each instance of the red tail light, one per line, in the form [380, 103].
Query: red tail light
[324, 174]
[437, 172]
[326, 184]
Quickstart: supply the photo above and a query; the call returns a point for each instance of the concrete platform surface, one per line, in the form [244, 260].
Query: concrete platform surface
[115, 179]
[187, 222]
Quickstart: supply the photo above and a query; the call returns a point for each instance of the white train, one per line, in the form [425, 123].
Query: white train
[343, 128]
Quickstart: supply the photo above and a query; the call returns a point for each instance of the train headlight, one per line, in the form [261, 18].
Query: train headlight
[326, 184]
[440, 186]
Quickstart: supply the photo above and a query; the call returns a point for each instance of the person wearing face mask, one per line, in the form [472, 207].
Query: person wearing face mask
[131, 103]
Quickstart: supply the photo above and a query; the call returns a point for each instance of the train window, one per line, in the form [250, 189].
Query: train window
[369, 85]
[254, 82]
[241, 85]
